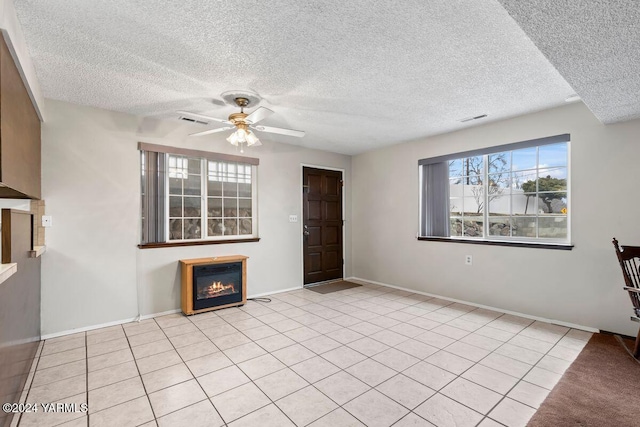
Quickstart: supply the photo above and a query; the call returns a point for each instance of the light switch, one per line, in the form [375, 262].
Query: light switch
[293, 218]
[47, 221]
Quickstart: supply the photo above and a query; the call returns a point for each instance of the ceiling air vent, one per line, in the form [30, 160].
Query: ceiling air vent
[190, 120]
[468, 119]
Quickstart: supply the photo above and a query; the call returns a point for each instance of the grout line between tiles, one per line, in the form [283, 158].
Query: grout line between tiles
[191, 372]
[140, 376]
[504, 396]
[261, 391]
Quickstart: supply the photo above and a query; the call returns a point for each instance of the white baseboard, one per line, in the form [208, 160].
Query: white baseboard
[105, 325]
[87, 328]
[164, 313]
[488, 307]
[264, 294]
[145, 317]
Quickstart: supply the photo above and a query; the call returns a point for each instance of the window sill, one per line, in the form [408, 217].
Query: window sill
[7, 270]
[37, 251]
[556, 246]
[196, 243]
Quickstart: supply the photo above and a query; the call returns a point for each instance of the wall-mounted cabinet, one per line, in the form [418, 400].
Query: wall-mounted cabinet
[19, 134]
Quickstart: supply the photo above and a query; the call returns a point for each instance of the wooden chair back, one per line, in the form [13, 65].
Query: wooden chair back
[629, 258]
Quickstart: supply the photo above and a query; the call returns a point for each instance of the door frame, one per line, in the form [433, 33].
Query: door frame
[301, 216]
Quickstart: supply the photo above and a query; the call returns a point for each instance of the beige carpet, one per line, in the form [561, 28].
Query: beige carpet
[333, 287]
[601, 388]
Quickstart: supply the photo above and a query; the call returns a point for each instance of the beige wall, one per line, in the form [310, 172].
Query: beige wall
[582, 286]
[93, 273]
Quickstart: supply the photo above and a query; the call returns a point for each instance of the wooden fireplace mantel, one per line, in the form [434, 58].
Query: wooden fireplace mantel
[186, 267]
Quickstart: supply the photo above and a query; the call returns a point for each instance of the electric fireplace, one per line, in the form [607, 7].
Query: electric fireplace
[213, 283]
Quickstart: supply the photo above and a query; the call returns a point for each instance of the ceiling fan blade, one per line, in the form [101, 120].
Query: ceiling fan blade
[210, 131]
[281, 131]
[260, 114]
[201, 117]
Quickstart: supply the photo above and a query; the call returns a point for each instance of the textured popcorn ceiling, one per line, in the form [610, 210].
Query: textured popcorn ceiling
[594, 44]
[355, 75]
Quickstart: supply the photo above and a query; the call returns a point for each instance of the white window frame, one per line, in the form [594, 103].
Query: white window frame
[486, 217]
[204, 177]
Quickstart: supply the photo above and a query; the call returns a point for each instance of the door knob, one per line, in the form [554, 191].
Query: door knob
[306, 231]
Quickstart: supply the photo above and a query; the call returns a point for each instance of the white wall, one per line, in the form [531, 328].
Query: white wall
[582, 286]
[92, 272]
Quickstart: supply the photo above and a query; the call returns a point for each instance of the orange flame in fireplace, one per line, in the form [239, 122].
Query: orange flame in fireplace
[216, 289]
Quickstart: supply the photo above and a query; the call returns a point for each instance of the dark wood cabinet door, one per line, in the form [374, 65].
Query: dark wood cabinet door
[322, 225]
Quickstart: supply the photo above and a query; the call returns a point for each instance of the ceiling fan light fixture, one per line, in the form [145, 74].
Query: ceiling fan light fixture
[233, 138]
[242, 136]
[238, 137]
[252, 139]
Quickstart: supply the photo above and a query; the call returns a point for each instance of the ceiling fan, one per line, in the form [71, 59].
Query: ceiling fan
[243, 122]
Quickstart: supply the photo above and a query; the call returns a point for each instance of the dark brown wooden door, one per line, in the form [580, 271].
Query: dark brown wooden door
[322, 225]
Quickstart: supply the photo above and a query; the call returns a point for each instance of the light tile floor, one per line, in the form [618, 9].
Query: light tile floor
[371, 355]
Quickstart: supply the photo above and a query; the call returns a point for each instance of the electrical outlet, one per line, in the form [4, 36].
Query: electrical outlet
[47, 221]
[293, 218]
[468, 260]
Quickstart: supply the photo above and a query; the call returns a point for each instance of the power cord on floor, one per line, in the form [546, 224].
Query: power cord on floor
[259, 299]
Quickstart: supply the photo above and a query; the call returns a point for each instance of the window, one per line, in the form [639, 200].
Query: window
[203, 196]
[517, 192]
[230, 199]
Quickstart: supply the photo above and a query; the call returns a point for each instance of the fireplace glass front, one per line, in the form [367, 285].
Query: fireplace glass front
[216, 284]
